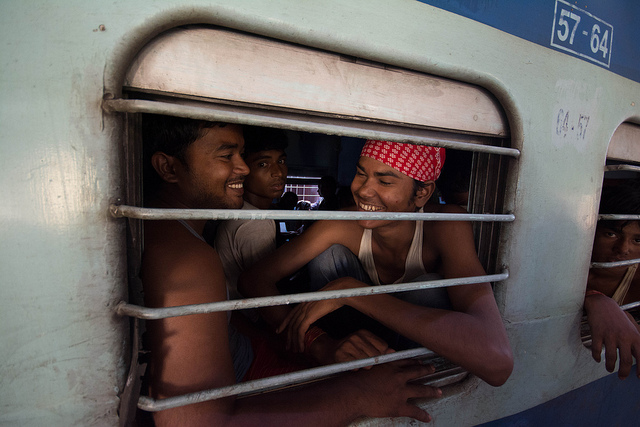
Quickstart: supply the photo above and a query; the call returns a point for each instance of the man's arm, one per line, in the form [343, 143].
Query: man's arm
[260, 280]
[475, 339]
[472, 335]
[476, 333]
[616, 330]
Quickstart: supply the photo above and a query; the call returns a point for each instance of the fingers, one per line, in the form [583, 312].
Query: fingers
[301, 319]
[298, 328]
[360, 345]
[286, 321]
[596, 347]
[295, 324]
[626, 361]
[376, 344]
[387, 390]
[413, 369]
[414, 412]
[610, 356]
[419, 391]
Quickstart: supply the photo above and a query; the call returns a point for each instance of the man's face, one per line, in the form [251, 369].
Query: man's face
[267, 176]
[381, 188]
[613, 243]
[214, 172]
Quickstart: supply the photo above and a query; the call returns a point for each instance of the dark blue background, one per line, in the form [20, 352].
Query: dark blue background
[533, 20]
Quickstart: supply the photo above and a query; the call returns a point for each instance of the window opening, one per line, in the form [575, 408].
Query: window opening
[622, 167]
[306, 188]
[467, 119]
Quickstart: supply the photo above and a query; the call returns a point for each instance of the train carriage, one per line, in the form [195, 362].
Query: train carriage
[542, 94]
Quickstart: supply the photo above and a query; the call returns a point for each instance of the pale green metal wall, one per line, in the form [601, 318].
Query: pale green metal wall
[63, 353]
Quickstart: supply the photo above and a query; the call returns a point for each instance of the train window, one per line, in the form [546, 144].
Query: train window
[221, 75]
[625, 144]
[622, 174]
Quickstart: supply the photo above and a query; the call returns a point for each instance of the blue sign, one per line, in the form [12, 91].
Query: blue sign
[584, 29]
[579, 32]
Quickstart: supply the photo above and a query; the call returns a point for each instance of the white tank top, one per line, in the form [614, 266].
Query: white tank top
[413, 266]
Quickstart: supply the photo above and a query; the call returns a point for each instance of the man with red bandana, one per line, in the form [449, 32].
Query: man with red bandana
[393, 177]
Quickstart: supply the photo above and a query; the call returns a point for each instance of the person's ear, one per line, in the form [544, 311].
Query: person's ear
[424, 193]
[165, 165]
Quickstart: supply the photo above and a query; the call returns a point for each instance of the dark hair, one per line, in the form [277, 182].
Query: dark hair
[263, 139]
[622, 199]
[417, 186]
[170, 135]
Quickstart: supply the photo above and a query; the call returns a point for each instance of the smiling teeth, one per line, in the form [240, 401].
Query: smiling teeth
[236, 185]
[370, 208]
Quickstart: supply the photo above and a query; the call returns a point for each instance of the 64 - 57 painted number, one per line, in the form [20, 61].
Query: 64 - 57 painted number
[568, 126]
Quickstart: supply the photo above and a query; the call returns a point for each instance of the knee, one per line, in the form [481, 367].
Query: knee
[335, 262]
[334, 255]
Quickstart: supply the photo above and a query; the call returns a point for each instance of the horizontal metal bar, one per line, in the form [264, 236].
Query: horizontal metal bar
[618, 217]
[149, 404]
[631, 168]
[120, 211]
[307, 122]
[630, 305]
[615, 264]
[147, 313]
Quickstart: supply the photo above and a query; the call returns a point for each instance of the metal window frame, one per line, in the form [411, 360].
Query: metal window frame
[344, 127]
[491, 157]
[146, 313]
[303, 121]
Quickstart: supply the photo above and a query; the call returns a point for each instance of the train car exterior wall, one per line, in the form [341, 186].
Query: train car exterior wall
[65, 353]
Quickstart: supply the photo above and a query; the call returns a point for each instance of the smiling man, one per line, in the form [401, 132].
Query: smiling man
[466, 328]
[240, 243]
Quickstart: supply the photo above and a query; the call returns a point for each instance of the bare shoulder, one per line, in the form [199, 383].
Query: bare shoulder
[448, 208]
[447, 229]
[178, 268]
[452, 244]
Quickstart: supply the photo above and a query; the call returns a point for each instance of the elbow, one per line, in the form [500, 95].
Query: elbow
[501, 363]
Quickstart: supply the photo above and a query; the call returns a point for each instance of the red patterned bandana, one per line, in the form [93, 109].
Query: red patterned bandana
[419, 162]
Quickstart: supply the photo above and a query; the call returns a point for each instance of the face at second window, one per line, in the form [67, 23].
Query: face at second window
[381, 188]
[614, 243]
[267, 177]
[215, 171]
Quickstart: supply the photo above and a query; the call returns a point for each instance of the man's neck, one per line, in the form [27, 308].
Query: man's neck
[257, 201]
[396, 236]
[165, 200]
